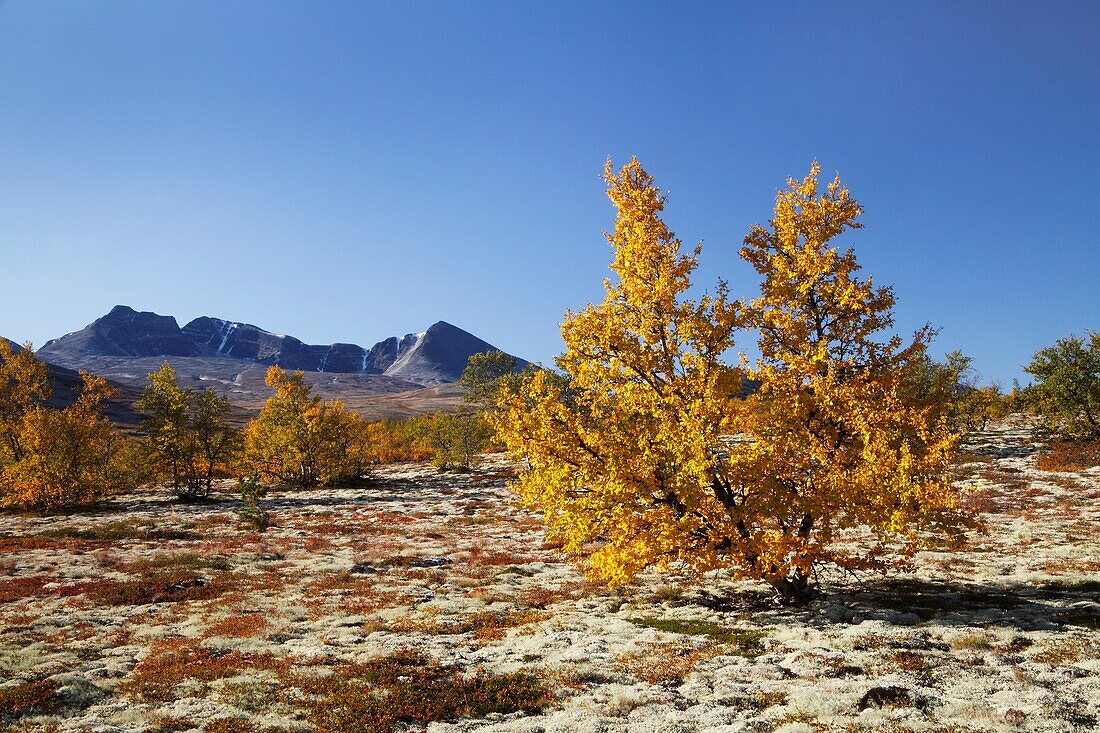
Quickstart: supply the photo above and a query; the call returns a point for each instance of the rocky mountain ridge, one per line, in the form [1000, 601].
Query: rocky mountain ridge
[436, 356]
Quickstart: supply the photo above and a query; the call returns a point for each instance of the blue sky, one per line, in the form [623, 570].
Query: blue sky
[344, 171]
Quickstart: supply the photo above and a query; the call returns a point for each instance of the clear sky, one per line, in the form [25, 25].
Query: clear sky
[347, 171]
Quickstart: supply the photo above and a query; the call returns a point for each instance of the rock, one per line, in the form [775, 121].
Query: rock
[78, 693]
[889, 696]
[848, 670]
[430, 562]
[439, 355]
[123, 332]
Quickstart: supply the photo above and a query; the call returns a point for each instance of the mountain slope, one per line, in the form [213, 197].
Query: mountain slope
[436, 356]
[439, 355]
[65, 386]
[122, 332]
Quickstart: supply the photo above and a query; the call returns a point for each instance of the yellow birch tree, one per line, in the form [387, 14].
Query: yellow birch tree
[626, 448]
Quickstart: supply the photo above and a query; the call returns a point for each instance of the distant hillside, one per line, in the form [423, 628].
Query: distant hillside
[436, 356]
[65, 385]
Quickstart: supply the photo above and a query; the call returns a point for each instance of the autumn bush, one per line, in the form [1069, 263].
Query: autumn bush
[408, 687]
[58, 459]
[1066, 392]
[950, 389]
[168, 578]
[455, 438]
[37, 697]
[176, 660]
[391, 441]
[448, 440]
[24, 386]
[300, 439]
[1070, 456]
[624, 445]
[187, 433]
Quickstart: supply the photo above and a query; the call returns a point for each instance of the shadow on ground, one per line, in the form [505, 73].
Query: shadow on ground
[1025, 607]
[911, 602]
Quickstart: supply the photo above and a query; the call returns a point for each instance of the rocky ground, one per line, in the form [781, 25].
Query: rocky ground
[426, 601]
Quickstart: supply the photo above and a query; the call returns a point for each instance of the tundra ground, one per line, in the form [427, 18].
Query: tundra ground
[428, 601]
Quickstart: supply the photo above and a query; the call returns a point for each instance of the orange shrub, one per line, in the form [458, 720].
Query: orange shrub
[394, 441]
[1067, 456]
[71, 457]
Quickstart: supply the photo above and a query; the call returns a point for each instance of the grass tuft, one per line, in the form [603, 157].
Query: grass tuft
[747, 642]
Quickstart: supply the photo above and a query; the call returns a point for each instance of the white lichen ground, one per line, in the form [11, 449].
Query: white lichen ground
[1000, 636]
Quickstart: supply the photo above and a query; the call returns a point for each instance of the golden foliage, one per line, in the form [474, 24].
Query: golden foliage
[304, 440]
[836, 440]
[390, 441]
[23, 386]
[622, 449]
[625, 447]
[188, 434]
[455, 438]
[71, 457]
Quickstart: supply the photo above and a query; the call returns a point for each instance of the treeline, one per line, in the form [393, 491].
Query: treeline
[1064, 394]
[72, 457]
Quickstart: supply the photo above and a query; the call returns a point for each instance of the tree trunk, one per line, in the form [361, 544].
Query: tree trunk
[794, 590]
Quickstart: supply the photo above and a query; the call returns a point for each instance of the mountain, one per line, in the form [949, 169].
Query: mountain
[217, 337]
[122, 332]
[436, 356]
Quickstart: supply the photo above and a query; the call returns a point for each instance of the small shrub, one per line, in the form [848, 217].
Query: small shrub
[542, 598]
[173, 661]
[163, 578]
[244, 626]
[484, 625]
[250, 696]
[1069, 456]
[124, 530]
[747, 642]
[765, 699]
[908, 660]
[183, 561]
[972, 640]
[407, 687]
[230, 725]
[37, 697]
[251, 512]
[31, 586]
[70, 458]
[665, 663]
[169, 586]
[1068, 651]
